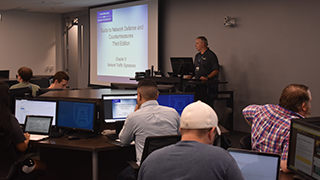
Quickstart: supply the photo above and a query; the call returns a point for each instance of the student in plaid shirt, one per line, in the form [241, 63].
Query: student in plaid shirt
[270, 124]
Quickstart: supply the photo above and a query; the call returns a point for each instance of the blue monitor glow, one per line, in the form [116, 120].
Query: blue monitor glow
[178, 101]
[76, 115]
[118, 107]
[41, 107]
[304, 148]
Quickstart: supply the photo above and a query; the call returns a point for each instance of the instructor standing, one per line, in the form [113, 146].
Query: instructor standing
[206, 62]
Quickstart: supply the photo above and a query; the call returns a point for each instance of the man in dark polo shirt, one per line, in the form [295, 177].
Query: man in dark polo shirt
[206, 66]
[206, 62]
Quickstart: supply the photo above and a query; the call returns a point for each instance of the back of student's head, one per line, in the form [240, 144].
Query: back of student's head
[148, 89]
[25, 73]
[60, 75]
[293, 96]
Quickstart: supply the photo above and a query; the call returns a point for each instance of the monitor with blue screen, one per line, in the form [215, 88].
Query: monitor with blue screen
[178, 101]
[76, 115]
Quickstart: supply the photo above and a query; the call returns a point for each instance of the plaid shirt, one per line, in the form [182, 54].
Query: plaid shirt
[270, 130]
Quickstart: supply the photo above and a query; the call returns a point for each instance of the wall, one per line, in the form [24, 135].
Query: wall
[30, 39]
[275, 43]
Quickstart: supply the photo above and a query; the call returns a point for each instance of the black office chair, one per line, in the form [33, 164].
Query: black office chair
[42, 82]
[226, 118]
[11, 164]
[153, 143]
[18, 92]
[245, 142]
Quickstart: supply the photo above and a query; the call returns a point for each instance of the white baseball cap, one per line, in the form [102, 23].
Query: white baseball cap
[199, 115]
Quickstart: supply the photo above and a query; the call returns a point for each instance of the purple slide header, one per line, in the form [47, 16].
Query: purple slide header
[104, 16]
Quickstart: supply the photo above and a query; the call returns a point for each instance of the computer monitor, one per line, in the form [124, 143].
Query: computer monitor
[178, 101]
[41, 107]
[304, 148]
[182, 66]
[4, 73]
[79, 115]
[118, 107]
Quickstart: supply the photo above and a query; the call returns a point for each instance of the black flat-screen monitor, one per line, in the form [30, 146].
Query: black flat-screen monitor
[178, 101]
[4, 73]
[18, 93]
[304, 148]
[77, 115]
[118, 107]
[41, 107]
[182, 66]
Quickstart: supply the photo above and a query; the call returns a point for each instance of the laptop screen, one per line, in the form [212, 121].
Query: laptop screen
[39, 107]
[257, 165]
[38, 124]
[118, 107]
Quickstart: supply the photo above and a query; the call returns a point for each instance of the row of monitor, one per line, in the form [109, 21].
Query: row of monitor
[82, 114]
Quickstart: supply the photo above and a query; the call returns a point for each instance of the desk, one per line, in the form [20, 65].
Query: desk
[73, 159]
[284, 176]
[85, 93]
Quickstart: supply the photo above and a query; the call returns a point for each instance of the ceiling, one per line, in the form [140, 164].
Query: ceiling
[51, 6]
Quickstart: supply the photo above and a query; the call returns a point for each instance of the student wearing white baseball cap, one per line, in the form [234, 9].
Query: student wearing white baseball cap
[194, 157]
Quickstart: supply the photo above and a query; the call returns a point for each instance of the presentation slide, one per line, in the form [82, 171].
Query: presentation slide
[123, 41]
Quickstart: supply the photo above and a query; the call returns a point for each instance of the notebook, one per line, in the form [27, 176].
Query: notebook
[38, 127]
[257, 165]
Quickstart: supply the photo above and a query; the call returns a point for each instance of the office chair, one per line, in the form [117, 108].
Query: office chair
[18, 92]
[245, 142]
[226, 118]
[153, 143]
[10, 164]
[42, 82]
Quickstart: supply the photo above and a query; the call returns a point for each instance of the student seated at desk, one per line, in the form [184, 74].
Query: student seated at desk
[193, 157]
[13, 133]
[24, 76]
[270, 124]
[59, 81]
[149, 119]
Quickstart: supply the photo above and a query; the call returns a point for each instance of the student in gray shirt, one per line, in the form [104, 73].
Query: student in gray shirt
[148, 119]
[194, 157]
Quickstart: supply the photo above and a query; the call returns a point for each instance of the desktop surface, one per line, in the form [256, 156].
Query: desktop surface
[86, 93]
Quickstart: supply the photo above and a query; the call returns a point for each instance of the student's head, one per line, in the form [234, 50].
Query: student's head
[199, 121]
[24, 74]
[147, 89]
[201, 43]
[296, 98]
[60, 80]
